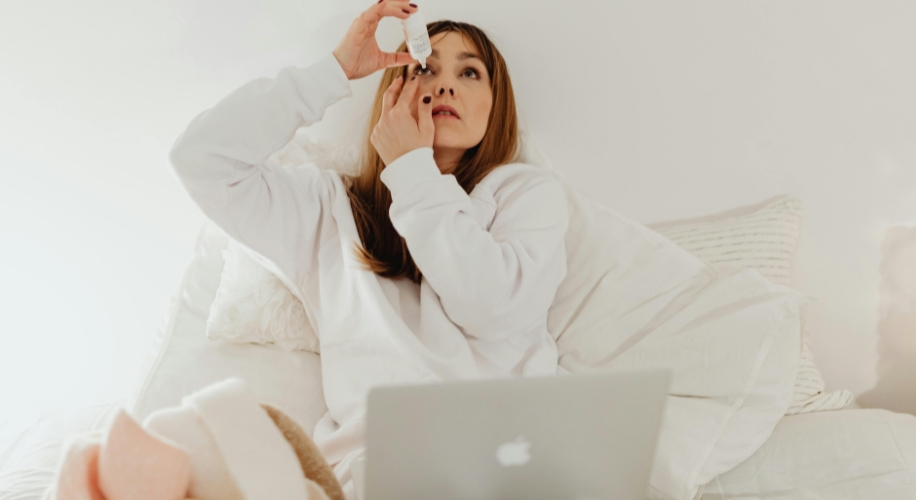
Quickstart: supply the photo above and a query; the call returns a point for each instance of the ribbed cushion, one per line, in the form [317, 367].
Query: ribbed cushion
[762, 236]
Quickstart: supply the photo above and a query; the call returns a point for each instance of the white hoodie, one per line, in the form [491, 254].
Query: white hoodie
[491, 260]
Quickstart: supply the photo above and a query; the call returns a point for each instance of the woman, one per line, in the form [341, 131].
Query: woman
[438, 261]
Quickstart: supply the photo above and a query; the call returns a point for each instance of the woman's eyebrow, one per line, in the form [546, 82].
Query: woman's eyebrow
[461, 57]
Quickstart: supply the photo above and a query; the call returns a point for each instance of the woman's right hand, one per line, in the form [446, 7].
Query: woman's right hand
[358, 53]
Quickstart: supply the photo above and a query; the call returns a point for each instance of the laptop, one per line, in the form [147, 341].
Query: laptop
[570, 437]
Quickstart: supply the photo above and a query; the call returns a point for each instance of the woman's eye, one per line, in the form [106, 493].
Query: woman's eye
[420, 69]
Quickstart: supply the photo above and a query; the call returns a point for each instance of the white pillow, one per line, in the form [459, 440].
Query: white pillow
[762, 236]
[253, 305]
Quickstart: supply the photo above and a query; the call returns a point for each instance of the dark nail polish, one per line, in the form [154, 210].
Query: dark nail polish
[414, 6]
[427, 99]
[379, 1]
[405, 11]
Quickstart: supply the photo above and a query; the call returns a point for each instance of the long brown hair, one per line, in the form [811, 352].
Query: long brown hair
[383, 250]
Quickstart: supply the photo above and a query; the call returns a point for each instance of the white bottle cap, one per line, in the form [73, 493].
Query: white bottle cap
[417, 37]
[414, 23]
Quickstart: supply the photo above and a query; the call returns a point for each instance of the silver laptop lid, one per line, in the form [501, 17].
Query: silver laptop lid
[567, 437]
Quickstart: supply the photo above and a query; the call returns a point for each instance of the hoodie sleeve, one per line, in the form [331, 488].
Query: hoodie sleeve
[221, 160]
[490, 281]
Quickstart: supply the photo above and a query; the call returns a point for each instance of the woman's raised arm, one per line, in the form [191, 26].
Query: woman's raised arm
[221, 160]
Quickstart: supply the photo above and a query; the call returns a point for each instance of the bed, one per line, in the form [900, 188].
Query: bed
[851, 453]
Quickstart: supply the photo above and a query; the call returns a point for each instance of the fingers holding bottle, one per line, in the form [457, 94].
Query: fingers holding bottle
[358, 52]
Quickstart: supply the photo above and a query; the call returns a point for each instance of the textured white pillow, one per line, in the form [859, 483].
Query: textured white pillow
[762, 236]
[252, 305]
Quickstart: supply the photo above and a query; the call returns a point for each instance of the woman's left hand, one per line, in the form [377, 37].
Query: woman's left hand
[398, 131]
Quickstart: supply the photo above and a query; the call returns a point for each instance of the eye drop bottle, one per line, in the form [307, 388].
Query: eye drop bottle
[417, 38]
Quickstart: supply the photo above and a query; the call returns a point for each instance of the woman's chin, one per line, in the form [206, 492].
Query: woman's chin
[444, 141]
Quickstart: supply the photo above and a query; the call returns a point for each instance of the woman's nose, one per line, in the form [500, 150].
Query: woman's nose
[443, 84]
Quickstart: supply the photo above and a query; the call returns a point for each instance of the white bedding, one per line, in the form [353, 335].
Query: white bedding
[825, 455]
[841, 455]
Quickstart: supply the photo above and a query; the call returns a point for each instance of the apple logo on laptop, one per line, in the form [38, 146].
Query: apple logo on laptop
[514, 453]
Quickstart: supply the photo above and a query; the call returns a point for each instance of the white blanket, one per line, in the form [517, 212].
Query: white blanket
[634, 299]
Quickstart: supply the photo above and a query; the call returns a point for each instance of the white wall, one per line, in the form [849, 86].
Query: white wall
[658, 109]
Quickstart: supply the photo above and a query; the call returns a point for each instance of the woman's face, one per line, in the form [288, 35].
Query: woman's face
[456, 77]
